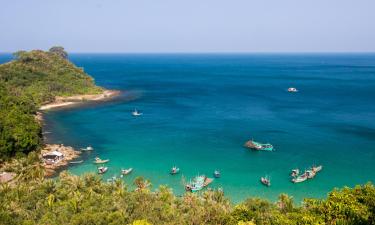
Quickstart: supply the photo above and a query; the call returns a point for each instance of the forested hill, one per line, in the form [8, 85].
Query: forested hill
[31, 79]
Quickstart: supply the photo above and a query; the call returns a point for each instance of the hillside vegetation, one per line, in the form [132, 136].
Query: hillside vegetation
[88, 200]
[31, 79]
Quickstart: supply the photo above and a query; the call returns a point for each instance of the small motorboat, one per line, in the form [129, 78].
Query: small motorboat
[310, 174]
[292, 89]
[300, 178]
[217, 174]
[102, 169]
[100, 161]
[294, 173]
[175, 170]
[136, 113]
[76, 162]
[126, 171]
[265, 181]
[258, 146]
[88, 148]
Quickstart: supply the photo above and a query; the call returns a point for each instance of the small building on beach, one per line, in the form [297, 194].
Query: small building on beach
[53, 157]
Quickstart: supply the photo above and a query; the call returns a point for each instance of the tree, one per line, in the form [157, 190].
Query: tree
[58, 50]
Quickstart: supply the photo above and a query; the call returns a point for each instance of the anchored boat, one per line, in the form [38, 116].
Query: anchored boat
[217, 174]
[136, 113]
[175, 170]
[100, 161]
[88, 148]
[76, 162]
[258, 146]
[198, 183]
[126, 171]
[301, 178]
[292, 89]
[102, 169]
[265, 181]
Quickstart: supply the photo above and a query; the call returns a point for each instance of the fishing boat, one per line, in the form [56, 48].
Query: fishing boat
[88, 148]
[175, 170]
[294, 173]
[265, 181]
[76, 162]
[217, 174]
[102, 169]
[100, 161]
[136, 113]
[126, 171]
[301, 178]
[292, 89]
[258, 146]
[198, 183]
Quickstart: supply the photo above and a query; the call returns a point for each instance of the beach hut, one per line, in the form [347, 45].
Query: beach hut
[52, 157]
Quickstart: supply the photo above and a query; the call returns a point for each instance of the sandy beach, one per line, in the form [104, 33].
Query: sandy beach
[78, 99]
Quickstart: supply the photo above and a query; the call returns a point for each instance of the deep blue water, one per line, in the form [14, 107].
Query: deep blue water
[200, 109]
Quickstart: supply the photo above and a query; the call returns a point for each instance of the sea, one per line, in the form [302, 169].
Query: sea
[198, 110]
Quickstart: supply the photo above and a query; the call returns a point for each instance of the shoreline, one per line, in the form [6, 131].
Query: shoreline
[69, 152]
[61, 102]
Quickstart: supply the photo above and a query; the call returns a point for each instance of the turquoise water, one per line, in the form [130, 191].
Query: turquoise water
[198, 110]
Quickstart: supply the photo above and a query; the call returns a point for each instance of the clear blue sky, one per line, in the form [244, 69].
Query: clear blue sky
[189, 25]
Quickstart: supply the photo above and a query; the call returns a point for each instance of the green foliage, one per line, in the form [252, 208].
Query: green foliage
[58, 50]
[87, 200]
[34, 78]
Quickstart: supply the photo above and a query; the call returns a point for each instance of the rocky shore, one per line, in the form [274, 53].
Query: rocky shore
[77, 99]
[68, 153]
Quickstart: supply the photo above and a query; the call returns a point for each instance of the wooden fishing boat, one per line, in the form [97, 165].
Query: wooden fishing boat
[198, 183]
[102, 169]
[258, 146]
[175, 170]
[100, 161]
[126, 171]
[265, 181]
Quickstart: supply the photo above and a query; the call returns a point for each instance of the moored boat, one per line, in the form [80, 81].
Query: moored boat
[258, 146]
[102, 169]
[126, 171]
[76, 162]
[300, 178]
[100, 161]
[265, 181]
[294, 173]
[292, 89]
[317, 169]
[136, 113]
[217, 174]
[198, 183]
[175, 170]
[88, 148]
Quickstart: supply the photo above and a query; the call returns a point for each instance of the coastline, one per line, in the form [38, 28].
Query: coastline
[61, 102]
[69, 152]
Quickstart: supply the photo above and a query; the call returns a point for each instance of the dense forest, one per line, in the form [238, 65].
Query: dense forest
[36, 77]
[31, 79]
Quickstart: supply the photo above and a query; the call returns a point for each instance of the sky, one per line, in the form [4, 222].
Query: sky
[157, 26]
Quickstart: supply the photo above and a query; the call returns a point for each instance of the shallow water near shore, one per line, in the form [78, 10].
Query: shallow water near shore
[198, 111]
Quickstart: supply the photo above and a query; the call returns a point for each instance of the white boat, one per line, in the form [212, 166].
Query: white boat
[88, 148]
[126, 171]
[76, 162]
[300, 178]
[265, 181]
[136, 113]
[292, 89]
[317, 168]
[294, 173]
[175, 170]
[102, 169]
